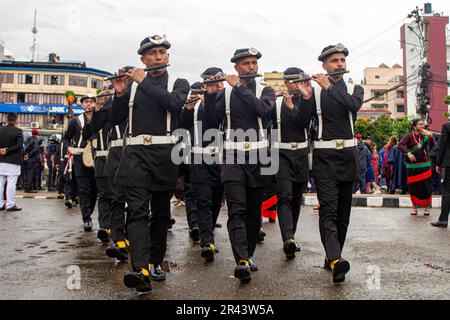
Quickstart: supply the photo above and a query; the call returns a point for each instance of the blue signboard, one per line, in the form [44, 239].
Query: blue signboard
[39, 108]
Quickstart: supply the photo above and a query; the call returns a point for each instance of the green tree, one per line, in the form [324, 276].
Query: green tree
[381, 129]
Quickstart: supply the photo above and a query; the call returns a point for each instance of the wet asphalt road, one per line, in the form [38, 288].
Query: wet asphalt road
[393, 256]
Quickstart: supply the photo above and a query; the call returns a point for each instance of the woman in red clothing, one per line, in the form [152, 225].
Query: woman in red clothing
[416, 145]
[375, 165]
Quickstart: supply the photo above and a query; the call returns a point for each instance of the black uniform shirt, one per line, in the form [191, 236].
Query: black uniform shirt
[336, 102]
[151, 103]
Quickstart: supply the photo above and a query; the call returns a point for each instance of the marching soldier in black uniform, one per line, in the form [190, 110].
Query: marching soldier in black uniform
[291, 118]
[114, 134]
[205, 178]
[335, 167]
[243, 106]
[85, 176]
[98, 134]
[152, 105]
[67, 181]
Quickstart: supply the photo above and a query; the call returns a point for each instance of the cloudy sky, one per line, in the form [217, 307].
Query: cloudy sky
[106, 34]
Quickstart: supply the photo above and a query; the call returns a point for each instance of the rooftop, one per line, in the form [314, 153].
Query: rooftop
[58, 66]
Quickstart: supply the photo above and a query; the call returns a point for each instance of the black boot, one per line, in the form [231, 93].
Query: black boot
[340, 268]
[103, 235]
[439, 224]
[208, 252]
[140, 281]
[69, 204]
[289, 249]
[242, 271]
[261, 235]
[88, 226]
[253, 266]
[157, 273]
[118, 250]
[195, 234]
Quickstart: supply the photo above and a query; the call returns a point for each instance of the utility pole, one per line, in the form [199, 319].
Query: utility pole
[424, 75]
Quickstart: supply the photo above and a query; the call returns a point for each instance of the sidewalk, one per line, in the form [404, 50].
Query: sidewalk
[309, 199]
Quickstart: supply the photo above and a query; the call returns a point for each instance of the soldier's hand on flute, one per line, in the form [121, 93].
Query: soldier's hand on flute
[232, 80]
[288, 99]
[136, 74]
[322, 80]
[100, 101]
[191, 105]
[305, 88]
[120, 84]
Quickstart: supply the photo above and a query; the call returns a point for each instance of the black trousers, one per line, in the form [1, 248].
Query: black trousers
[29, 174]
[244, 217]
[191, 206]
[87, 196]
[105, 198]
[445, 207]
[289, 203]
[335, 199]
[70, 187]
[117, 221]
[208, 200]
[147, 245]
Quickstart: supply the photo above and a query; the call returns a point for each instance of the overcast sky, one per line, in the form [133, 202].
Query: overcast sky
[106, 34]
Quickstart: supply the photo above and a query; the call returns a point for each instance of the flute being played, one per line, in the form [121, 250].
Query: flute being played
[192, 100]
[293, 93]
[145, 69]
[332, 74]
[246, 76]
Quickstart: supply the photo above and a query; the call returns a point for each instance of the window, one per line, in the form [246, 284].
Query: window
[20, 97]
[379, 95]
[32, 98]
[53, 99]
[28, 78]
[379, 106]
[96, 84]
[400, 108]
[400, 95]
[6, 77]
[377, 77]
[77, 81]
[54, 80]
[6, 97]
[397, 78]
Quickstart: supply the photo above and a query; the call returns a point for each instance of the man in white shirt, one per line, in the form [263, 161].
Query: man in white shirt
[11, 149]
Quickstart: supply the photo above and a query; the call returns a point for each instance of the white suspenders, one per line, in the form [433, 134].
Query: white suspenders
[81, 119]
[337, 143]
[148, 139]
[198, 148]
[196, 128]
[243, 146]
[287, 145]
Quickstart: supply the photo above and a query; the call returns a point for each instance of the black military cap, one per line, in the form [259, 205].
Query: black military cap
[89, 96]
[292, 73]
[245, 53]
[210, 72]
[153, 42]
[328, 51]
[196, 87]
